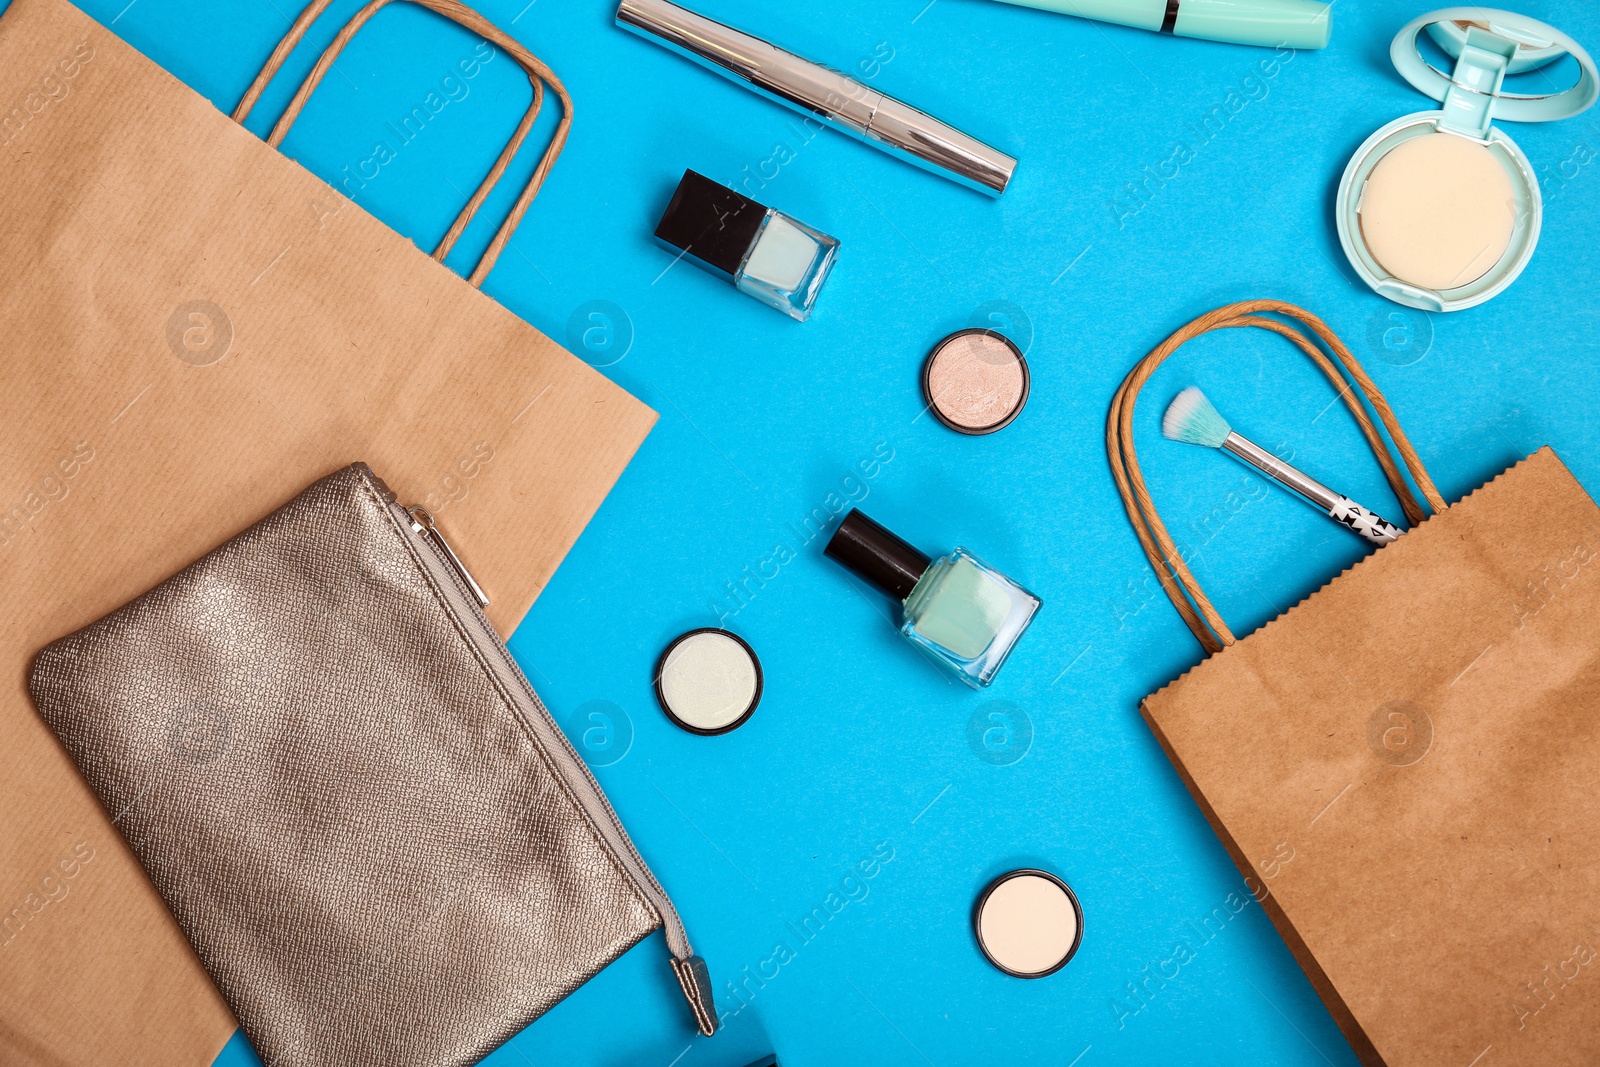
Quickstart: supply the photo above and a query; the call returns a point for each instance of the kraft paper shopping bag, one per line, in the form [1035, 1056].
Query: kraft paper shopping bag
[195, 328]
[1403, 764]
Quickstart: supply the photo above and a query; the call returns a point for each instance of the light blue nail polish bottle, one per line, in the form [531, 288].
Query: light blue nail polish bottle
[763, 252]
[962, 613]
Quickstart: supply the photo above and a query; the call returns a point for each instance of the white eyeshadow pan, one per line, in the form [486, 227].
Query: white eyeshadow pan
[1028, 923]
[708, 681]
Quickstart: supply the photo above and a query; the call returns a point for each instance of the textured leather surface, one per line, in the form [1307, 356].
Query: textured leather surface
[367, 848]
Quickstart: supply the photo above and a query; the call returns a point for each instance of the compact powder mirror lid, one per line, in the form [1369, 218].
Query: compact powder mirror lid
[975, 381]
[1489, 32]
[1028, 923]
[708, 681]
[1533, 51]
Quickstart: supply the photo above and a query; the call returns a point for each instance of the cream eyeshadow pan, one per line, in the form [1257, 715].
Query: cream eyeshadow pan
[1028, 923]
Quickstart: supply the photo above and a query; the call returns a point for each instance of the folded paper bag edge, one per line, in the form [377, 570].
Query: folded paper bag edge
[1428, 528]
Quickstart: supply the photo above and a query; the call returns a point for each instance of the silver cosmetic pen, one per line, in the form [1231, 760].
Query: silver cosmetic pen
[822, 94]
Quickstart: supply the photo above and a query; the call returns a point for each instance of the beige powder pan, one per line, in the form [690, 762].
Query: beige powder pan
[975, 381]
[1028, 923]
[1438, 211]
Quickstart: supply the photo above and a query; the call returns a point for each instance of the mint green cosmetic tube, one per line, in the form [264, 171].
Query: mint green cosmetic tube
[1270, 23]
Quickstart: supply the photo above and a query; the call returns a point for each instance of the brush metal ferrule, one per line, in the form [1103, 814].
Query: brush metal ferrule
[1281, 472]
[1340, 508]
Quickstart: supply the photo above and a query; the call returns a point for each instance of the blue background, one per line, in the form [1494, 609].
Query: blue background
[858, 742]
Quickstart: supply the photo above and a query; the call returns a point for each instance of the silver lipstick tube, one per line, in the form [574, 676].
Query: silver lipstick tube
[826, 95]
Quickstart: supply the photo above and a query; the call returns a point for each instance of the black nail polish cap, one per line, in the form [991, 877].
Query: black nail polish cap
[710, 223]
[877, 555]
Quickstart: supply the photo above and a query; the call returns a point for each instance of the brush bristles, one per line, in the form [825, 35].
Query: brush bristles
[1192, 420]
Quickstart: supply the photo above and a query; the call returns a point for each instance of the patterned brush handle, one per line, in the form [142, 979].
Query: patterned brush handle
[1372, 527]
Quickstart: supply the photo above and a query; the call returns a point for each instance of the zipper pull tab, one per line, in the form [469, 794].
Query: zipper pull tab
[695, 981]
[422, 523]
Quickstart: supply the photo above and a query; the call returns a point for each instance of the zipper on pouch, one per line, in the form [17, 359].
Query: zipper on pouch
[467, 600]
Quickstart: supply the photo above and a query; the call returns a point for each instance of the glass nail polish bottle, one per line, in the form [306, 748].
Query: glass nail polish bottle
[962, 612]
[766, 254]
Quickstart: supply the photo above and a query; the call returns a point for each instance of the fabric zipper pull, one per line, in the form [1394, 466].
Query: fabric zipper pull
[695, 981]
[422, 522]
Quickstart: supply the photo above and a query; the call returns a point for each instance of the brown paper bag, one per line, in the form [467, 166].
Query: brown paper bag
[1404, 764]
[197, 328]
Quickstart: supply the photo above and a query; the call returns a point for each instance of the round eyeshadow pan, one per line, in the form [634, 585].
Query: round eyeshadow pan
[708, 681]
[975, 381]
[1028, 923]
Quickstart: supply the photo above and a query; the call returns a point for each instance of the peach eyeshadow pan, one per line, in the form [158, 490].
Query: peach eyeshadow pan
[975, 381]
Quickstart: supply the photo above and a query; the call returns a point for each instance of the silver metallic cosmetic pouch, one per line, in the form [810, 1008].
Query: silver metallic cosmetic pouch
[382, 849]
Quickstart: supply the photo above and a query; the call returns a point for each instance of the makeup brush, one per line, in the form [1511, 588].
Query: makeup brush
[1193, 420]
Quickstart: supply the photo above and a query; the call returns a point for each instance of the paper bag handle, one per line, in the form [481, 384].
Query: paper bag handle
[1176, 578]
[538, 76]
